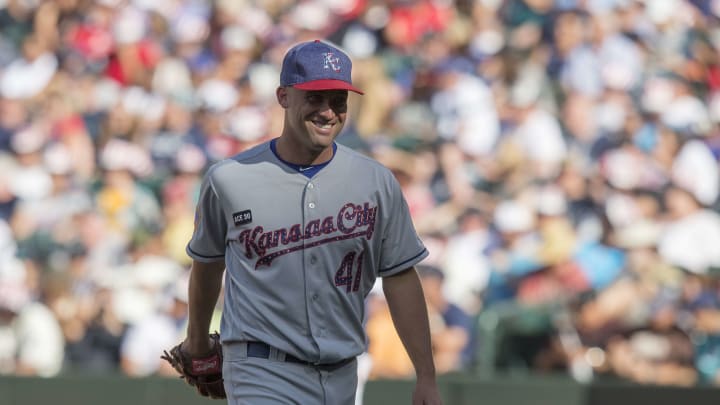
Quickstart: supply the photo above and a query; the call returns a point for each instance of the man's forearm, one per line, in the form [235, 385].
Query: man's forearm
[407, 306]
[204, 290]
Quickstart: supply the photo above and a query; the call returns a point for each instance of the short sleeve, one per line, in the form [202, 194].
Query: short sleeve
[208, 240]
[401, 246]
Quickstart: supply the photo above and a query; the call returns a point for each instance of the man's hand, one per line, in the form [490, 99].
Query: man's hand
[426, 393]
[202, 372]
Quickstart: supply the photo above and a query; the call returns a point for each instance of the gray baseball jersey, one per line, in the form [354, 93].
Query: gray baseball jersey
[302, 254]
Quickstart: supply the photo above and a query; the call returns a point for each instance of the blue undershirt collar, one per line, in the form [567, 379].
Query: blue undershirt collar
[306, 170]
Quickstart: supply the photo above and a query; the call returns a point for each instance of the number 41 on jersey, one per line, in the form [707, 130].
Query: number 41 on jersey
[344, 275]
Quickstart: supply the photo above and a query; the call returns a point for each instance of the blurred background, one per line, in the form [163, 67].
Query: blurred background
[559, 158]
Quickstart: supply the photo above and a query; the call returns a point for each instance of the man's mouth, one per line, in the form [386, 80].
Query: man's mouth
[325, 125]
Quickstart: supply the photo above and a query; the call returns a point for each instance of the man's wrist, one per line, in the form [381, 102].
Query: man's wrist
[198, 343]
[426, 375]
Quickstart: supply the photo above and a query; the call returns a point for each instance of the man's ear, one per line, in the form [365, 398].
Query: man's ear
[282, 96]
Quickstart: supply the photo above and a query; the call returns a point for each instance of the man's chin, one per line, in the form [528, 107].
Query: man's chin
[323, 137]
[323, 143]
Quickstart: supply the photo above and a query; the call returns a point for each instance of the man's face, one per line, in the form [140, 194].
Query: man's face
[314, 118]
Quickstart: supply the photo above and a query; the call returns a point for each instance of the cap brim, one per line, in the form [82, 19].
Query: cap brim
[327, 85]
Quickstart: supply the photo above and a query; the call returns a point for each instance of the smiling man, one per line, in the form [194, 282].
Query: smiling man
[300, 228]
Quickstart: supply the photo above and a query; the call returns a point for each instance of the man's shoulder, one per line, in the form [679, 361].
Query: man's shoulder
[260, 151]
[254, 154]
[347, 154]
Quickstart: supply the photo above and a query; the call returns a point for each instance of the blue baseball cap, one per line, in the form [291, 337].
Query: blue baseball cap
[316, 65]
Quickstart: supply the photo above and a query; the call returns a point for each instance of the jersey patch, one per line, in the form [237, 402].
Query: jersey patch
[242, 217]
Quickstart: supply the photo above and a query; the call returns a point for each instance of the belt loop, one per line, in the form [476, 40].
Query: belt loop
[274, 354]
[243, 349]
[235, 350]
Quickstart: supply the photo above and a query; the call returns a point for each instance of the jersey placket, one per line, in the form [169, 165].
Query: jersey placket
[312, 271]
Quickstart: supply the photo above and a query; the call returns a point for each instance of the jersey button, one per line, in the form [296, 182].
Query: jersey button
[310, 185]
[313, 259]
[315, 297]
[311, 205]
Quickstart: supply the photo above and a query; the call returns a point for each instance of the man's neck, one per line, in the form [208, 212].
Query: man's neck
[297, 154]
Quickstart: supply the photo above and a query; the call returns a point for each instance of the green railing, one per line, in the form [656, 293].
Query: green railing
[455, 389]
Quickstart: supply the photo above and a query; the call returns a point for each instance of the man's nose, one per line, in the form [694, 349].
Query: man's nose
[325, 109]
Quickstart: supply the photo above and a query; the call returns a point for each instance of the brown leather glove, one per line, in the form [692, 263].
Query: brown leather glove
[202, 372]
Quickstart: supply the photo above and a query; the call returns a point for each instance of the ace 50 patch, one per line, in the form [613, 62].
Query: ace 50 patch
[242, 217]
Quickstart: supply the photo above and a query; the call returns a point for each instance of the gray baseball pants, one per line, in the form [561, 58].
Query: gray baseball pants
[274, 381]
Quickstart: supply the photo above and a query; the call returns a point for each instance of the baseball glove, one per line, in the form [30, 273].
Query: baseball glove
[204, 373]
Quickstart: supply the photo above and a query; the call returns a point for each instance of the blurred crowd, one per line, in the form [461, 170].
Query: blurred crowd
[559, 158]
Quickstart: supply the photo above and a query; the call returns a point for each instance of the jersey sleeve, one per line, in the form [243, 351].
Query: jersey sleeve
[208, 240]
[401, 246]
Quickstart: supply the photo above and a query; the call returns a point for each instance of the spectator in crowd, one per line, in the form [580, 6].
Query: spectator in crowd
[154, 334]
[32, 342]
[389, 360]
[93, 330]
[451, 328]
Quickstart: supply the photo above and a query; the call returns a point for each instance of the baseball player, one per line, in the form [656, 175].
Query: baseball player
[301, 227]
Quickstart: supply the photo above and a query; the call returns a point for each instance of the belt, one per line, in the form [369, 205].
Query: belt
[262, 350]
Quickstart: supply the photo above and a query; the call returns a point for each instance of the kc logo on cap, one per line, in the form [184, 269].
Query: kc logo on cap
[317, 65]
[332, 62]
